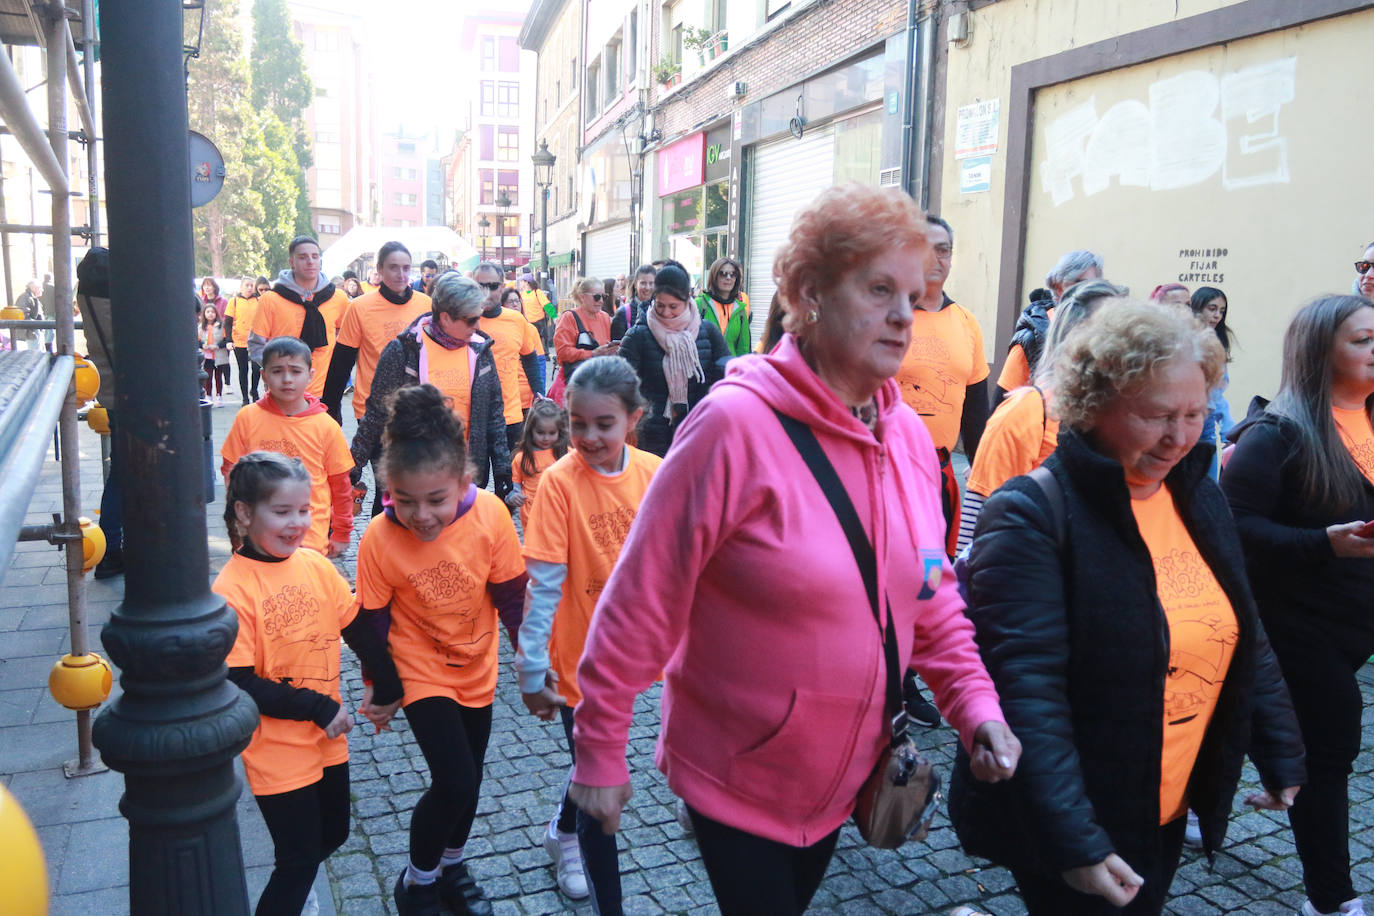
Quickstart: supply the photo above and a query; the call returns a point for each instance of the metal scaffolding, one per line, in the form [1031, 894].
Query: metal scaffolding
[44, 395]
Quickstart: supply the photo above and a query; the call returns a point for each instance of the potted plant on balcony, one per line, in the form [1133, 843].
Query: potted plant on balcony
[717, 45]
[697, 39]
[668, 73]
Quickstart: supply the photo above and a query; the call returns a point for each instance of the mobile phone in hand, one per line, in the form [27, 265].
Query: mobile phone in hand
[1365, 531]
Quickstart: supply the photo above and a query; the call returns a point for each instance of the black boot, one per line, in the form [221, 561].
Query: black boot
[416, 899]
[460, 892]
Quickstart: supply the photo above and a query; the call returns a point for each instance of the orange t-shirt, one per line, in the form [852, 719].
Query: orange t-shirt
[451, 372]
[512, 336]
[565, 335]
[312, 437]
[1358, 436]
[444, 634]
[543, 460]
[945, 357]
[526, 392]
[534, 302]
[583, 520]
[1019, 437]
[1202, 639]
[241, 310]
[373, 322]
[290, 616]
[278, 317]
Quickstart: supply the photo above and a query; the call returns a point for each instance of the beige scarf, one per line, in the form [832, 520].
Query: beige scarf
[678, 338]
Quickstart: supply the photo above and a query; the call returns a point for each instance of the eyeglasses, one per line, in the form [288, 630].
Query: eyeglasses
[598, 296]
[728, 273]
[944, 252]
[1362, 267]
[491, 286]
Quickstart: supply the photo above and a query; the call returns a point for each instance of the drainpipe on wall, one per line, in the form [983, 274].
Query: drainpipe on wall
[916, 139]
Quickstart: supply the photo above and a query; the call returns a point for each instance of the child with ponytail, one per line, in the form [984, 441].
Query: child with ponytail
[542, 442]
[587, 501]
[439, 568]
[292, 607]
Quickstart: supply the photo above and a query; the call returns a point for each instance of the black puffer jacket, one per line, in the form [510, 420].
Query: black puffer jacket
[1032, 326]
[1300, 583]
[1079, 650]
[641, 349]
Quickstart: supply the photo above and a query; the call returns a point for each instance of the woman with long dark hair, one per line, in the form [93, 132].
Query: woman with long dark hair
[725, 304]
[1301, 486]
[1209, 306]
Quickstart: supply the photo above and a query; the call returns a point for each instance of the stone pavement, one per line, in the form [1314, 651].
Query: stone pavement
[85, 839]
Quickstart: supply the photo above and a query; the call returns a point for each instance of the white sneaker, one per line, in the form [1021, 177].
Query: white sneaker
[219, 401]
[312, 905]
[1349, 908]
[684, 820]
[567, 856]
[1192, 832]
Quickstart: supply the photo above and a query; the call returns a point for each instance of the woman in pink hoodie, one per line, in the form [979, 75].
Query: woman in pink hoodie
[739, 581]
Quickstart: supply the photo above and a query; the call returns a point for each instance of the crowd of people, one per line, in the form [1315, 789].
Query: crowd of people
[1130, 595]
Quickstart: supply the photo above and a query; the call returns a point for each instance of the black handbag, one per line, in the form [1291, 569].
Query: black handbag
[898, 799]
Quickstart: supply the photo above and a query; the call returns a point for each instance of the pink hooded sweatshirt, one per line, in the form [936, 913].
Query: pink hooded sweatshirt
[738, 576]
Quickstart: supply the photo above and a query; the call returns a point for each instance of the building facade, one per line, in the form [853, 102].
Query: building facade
[402, 173]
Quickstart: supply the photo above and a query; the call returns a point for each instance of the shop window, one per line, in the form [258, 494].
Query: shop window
[857, 148]
[682, 212]
[717, 205]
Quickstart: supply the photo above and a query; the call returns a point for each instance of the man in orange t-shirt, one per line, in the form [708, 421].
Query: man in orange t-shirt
[514, 346]
[304, 304]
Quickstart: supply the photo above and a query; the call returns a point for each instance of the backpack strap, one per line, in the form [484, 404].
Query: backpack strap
[1055, 494]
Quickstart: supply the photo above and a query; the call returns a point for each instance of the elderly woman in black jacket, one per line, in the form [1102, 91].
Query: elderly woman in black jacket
[1301, 485]
[445, 349]
[1113, 612]
[677, 356]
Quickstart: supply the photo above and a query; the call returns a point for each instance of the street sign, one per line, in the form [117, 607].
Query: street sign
[207, 170]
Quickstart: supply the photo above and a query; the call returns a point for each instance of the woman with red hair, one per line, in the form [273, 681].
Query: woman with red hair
[783, 655]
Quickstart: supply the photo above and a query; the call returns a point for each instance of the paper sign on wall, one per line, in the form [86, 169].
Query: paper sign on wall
[975, 175]
[976, 129]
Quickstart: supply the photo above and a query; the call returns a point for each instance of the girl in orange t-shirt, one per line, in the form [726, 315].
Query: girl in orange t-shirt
[542, 442]
[587, 502]
[293, 607]
[440, 567]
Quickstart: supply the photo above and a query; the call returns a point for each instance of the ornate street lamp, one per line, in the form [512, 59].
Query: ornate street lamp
[484, 224]
[543, 176]
[502, 203]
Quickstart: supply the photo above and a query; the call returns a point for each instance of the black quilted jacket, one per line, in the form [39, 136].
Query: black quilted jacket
[1079, 650]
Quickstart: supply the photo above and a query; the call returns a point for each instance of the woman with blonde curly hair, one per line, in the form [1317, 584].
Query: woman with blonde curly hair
[779, 680]
[1114, 614]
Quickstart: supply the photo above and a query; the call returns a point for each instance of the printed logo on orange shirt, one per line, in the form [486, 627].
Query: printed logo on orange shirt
[1181, 576]
[1363, 453]
[305, 662]
[280, 446]
[443, 584]
[288, 610]
[1195, 678]
[610, 529]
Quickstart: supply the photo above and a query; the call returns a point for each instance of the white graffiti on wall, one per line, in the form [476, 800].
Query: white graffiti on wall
[1177, 140]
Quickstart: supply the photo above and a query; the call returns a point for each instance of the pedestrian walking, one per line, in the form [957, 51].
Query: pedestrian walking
[210, 295]
[238, 324]
[293, 608]
[212, 344]
[1131, 716]
[677, 355]
[779, 679]
[512, 300]
[584, 331]
[725, 304]
[588, 501]
[1209, 306]
[1033, 325]
[641, 298]
[301, 303]
[30, 303]
[544, 440]
[1299, 483]
[514, 347]
[438, 571]
[294, 423]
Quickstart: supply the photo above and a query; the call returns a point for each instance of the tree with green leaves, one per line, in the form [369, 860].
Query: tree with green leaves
[282, 86]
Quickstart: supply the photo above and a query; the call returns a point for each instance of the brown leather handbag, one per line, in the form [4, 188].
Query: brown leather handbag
[898, 800]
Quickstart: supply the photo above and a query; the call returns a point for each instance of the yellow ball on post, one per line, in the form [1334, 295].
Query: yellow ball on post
[80, 681]
[92, 544]
[87, 380]
[23, 874]
[98, 419]
[10, 313]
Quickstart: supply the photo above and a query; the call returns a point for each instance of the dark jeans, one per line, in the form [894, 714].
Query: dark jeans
[600, 857]
[453, 739]
[1321, 680]
[245, 364]
[111, 501]
[1046, 895]
[306, 824]
[750, 874]
[212, 376]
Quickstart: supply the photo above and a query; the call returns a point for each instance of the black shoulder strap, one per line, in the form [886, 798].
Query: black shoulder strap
[810, 449]
[581, 328]
[1055, 494]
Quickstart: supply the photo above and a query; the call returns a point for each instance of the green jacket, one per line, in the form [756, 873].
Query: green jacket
[736, 330]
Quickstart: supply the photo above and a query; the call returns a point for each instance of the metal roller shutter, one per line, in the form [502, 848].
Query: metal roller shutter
[608, 252]
[787, 175]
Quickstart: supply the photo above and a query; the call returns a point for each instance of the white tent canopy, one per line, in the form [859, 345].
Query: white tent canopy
[421, 240]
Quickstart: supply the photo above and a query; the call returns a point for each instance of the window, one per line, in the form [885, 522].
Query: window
[485, 143]
[508, 183]
[593, 84]
[487, 101]
[510, 55]
[631, 44]
[611, 67]
[326, 136]
[508, 144]
[328, 225]
[395, 171]
[328, 180]
[715, 10]
[326, 41]
[488, 179]
[507, 100]
[488, 52]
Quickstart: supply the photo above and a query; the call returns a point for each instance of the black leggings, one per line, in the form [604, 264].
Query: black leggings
[1326, 696]
[306, 824]
[241, 355]
[1046, 895]
[750, 874]
[600, 855]
[453, 739]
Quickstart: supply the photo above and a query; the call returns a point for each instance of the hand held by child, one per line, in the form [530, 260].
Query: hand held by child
[379, 716]
[340, 724]
[545, 703]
